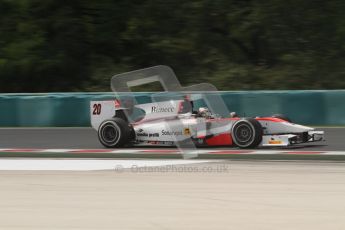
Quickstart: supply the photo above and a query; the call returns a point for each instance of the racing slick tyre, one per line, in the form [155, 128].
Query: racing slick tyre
[114, 133]
[247, 133]
[283, 117]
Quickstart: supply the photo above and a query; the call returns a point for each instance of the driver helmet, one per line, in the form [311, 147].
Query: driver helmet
[204, 112]
[233, 114]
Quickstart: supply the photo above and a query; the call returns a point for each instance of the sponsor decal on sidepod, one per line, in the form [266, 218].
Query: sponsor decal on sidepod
[156, 109]
[171, 133]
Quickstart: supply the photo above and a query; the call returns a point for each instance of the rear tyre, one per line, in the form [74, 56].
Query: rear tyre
[282, 116]
[114, 133]
[247, 133]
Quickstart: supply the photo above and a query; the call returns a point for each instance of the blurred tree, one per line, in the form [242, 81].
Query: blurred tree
[78, 45]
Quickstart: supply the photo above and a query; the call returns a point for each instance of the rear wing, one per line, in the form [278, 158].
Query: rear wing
[100, 111]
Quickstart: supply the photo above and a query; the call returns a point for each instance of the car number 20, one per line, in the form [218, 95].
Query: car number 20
[97, 108]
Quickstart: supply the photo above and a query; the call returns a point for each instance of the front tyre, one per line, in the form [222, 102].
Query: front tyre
[247, 133]
[114, 133]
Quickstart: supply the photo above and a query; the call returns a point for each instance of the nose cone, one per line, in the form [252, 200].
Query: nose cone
[302, 128]
[286, 127]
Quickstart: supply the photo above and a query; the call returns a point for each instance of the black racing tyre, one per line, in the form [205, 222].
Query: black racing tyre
[247, 133]
[114, 133]
[282, 116]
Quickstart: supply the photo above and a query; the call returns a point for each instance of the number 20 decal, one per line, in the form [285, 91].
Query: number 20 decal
[97, 108]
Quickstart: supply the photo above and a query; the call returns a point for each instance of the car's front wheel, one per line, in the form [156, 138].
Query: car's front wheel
[114, 133]
[247, 133]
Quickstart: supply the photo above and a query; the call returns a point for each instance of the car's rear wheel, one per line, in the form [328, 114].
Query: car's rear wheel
[282, 116]
[114, 133]
[247, 133]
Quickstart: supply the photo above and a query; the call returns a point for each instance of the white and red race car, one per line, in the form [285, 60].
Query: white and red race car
[168, 123]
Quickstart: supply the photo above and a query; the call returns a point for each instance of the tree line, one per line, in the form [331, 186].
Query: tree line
[234, 44]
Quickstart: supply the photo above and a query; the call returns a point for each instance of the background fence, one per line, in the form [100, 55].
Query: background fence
[72, 109]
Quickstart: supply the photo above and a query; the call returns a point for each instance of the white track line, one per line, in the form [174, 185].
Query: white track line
[87, 165]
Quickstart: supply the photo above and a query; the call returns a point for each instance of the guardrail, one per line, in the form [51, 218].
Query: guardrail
[318, 107]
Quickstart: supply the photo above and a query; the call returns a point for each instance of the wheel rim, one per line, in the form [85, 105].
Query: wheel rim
[243, 133]
[110, 134]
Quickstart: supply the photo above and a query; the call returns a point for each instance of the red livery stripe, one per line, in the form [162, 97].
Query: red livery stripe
[273, 119]
[221, 139]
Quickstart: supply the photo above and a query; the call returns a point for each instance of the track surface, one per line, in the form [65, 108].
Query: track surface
[260, 195]
[86, 138]
[247, 195]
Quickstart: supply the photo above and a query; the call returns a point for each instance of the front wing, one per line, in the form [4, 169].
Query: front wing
[291, 139]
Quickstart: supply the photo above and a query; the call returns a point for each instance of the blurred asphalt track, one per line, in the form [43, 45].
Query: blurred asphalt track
[86, 138]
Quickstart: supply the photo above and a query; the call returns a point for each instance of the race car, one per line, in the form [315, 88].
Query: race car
[168, 123]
